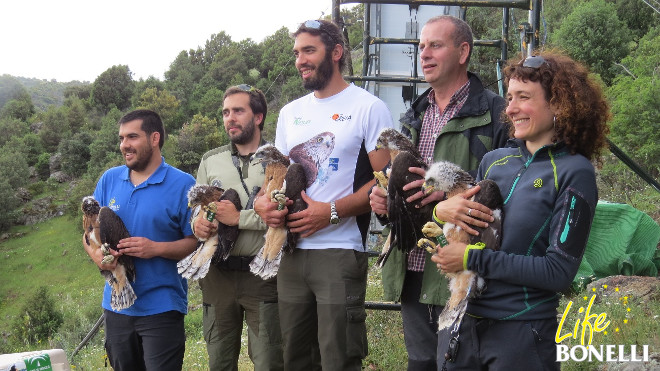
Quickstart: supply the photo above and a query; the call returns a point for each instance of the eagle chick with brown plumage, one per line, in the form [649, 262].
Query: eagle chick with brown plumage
[450, 178]
[219, 244]
[103, 229]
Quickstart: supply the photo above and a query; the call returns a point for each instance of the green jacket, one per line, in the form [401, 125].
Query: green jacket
[476, 129]
[218, 167]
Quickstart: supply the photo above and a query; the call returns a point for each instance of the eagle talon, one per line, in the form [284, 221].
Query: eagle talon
[107, 259]
[278, 195]
[426, 244]
[105, 249]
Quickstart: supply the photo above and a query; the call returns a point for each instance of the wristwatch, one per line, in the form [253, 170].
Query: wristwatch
[334, 218]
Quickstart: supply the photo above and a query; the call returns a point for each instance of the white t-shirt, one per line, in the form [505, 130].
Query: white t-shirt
[331, 137]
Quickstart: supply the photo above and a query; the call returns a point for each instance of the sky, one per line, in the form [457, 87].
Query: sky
[70, 40]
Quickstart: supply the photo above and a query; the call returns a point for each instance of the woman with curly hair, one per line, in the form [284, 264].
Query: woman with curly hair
[558, 117]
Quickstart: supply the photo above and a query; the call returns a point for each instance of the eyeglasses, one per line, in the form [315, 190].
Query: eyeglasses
[246, 87]
[534, 61]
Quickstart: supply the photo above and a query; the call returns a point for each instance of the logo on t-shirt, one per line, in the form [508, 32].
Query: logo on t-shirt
[113, 205]
[341, 117]
[298, 121]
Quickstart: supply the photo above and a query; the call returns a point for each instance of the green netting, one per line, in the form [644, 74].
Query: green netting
[623, 241]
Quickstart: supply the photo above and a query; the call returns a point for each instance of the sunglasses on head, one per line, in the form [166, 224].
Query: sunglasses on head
[534, 61]
[316, 25]
[246, 87]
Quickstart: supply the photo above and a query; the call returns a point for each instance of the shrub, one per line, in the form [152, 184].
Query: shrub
[38, 320]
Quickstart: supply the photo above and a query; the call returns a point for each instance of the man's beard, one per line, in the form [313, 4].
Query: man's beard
[247, 132]
[323, 74]
[141, 160]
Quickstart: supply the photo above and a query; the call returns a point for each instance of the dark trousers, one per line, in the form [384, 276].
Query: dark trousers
[156, 342]
[321, 301]
[487, 344]
[420, 325]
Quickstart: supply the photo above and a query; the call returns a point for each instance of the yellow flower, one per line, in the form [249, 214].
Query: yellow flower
[616, 289]
[605, 332]
[628, 309]
[616, 329]
[585, 298]
[593, 289]
[625, 321]
[605, 286]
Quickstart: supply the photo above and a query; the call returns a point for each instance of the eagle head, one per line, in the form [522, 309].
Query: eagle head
[203, 194]
[269, 154]
[447, 177]
[90, 206]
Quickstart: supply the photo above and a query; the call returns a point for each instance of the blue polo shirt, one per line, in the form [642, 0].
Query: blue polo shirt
[158, 210]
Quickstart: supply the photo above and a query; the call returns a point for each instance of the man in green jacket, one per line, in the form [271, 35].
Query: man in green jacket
[229, 290]
[455, 120]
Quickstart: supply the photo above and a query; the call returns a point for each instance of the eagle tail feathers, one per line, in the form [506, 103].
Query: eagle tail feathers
[264, 267]
[122, 295]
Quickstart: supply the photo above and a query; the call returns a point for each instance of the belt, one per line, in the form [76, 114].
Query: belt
[235, 263]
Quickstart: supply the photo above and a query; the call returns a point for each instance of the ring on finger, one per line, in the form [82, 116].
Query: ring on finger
[469, 212]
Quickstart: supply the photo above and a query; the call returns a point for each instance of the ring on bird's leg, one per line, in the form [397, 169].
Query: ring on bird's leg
[470, 212]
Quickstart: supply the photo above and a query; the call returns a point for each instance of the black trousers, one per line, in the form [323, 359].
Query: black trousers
[487, 344]
[420, 325]
[136, 343]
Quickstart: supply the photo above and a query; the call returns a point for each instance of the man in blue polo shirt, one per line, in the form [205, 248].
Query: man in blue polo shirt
[150, 197]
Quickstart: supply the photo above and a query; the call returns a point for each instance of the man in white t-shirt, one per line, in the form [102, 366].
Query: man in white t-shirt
[332, 132]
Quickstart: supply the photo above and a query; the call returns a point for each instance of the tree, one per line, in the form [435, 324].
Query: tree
[181, 78]
[54, 128]
[278, 67]
[12, 127]
[20, 108]
[10, 202]
[14, 169]
[75, 154]
[10, 88]
[593, 34]
[104, 149]
[113, 87]
[195, 139]
[163, 103]
[635, 100]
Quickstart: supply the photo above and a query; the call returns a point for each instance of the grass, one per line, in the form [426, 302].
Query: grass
[50, 254]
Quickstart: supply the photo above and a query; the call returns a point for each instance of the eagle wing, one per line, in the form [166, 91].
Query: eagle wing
[406, 219]
[227, 234]
[296, 182]
[103, 230]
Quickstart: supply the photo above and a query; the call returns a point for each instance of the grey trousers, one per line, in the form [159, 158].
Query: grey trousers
[321, 300]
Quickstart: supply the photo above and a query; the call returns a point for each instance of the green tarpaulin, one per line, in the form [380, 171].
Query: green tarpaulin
[623, 241]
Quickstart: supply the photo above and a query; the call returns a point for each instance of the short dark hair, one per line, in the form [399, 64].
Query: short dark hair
[330, 34]
[462, 31]
[257, 99]
[151, 122]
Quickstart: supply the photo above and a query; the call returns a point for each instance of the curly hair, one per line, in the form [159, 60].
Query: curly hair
[581, 110]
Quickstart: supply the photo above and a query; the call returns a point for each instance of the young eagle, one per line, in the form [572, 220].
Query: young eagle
[450, 178]
[102, 230]
[219, 245]
[406, 219]
[267, 261]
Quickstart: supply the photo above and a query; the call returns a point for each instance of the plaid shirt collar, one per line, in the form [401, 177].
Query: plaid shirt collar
[435, 119]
